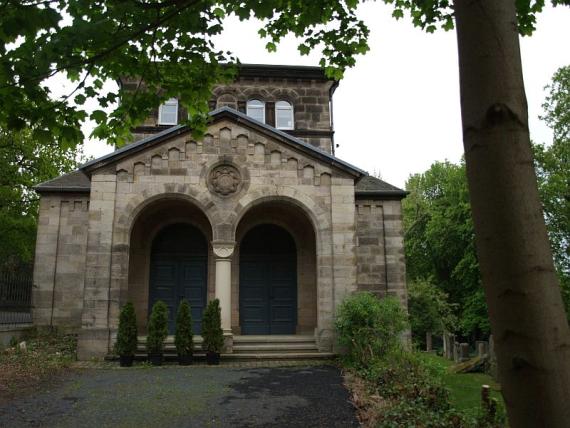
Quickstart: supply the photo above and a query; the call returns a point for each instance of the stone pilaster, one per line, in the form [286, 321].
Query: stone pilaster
[223, 252]
[94, 339]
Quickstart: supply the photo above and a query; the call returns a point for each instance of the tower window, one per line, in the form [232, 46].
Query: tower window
[284, 115]
[168, 112]
[256, 110]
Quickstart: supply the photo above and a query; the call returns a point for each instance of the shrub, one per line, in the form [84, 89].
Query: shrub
[430, 311]
[411, 414]
[183, 337]
[127, 335]
[212, 327]
[403, 375]
[157, 327]
[369, 327]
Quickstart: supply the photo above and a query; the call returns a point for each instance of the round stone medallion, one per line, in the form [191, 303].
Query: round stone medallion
[225, 179]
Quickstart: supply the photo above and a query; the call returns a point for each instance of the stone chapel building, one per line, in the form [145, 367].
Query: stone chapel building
[259, 213]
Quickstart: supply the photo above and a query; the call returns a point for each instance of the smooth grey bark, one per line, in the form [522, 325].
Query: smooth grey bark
[529, 325]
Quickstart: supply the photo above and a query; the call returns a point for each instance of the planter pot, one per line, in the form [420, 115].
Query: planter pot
[213, 358]
[155, 359]
[126, 360]
[185, 360]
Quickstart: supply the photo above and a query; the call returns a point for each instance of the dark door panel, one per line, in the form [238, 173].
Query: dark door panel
[179, 271]
[268, 294]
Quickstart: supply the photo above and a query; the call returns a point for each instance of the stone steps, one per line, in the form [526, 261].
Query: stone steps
[251, 348]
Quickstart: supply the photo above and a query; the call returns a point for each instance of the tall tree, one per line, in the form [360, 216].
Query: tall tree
[552, 164]
[168, 45]
[24, 162]
[522, 289]
[440, 243]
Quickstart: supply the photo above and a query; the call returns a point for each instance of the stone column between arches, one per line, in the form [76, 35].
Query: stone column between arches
[223, 252]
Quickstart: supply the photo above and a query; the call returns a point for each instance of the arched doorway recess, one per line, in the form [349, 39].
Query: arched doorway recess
[169, 227]
[268, 281]
[178, 270]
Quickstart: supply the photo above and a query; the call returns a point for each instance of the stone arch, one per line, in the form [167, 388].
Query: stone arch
[257, 93]
[314, 211]
[137, 204]
[285, 94]
[226, 99]
[173, 154]
[302, 217]
[144, 217]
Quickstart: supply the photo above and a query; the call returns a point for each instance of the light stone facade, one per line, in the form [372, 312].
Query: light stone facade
[97, 225]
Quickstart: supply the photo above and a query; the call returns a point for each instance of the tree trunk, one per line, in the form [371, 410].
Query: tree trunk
[529, 325]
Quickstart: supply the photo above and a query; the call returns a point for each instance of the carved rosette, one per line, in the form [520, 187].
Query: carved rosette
[225, 180]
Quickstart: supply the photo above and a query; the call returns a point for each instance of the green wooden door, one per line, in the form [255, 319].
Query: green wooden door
[179, 271]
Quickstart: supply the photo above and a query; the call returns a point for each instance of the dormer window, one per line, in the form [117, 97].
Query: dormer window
[168, 112]
[284, 115]
[256, 110]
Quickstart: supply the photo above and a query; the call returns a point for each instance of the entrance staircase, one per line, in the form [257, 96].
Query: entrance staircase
[252, 348]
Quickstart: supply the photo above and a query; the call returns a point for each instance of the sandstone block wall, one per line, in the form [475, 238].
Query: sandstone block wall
[310, 100]
[380, 248]
[60, 260]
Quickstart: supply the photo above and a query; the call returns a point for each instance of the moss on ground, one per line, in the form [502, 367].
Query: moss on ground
[465, 388]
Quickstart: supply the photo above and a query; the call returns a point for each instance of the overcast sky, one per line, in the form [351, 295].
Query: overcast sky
[397, 111]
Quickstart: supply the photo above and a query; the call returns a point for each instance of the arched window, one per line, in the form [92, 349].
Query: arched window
[284, 115]
[168, 112]
[256, 110]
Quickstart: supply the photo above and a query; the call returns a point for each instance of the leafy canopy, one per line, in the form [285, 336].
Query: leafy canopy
[168, 46]
[552, 163]
[25, 162]
[440, 241]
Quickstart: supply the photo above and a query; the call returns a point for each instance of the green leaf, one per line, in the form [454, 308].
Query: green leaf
[99, 116]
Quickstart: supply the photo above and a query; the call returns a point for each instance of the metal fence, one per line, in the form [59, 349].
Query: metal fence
[16, 295]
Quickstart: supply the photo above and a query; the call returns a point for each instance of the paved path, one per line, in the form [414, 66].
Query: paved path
[174, 396]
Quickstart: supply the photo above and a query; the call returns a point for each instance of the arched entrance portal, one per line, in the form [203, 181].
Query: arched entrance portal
[178, 270]
[268, 281]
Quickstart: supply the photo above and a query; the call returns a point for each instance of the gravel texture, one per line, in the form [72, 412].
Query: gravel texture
[173, 396]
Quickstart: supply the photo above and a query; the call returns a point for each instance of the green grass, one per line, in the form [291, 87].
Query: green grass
[465, 388]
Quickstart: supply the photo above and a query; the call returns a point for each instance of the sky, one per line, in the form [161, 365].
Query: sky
[397, 111]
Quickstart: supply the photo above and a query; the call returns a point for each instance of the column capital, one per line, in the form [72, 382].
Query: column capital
[223, 249]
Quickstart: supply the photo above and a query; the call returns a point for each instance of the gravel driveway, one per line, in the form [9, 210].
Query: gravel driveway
[174, 396]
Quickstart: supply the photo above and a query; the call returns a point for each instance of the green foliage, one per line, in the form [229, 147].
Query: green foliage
[212, 327]
[429, 310]
[183, 337]
[127, 335]
[440, 242]
[168, 45]
[25, 162]
[552, 165]
[369, 327]
[157, 328]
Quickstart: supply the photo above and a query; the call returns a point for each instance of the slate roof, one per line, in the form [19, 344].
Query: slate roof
[370, 186]
[78, 181]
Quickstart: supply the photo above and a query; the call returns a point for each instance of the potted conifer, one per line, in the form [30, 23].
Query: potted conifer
[157, 332]
[183, 335]
[212, 332]
[126, 344]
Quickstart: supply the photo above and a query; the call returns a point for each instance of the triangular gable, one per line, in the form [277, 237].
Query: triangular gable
[239, 118]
